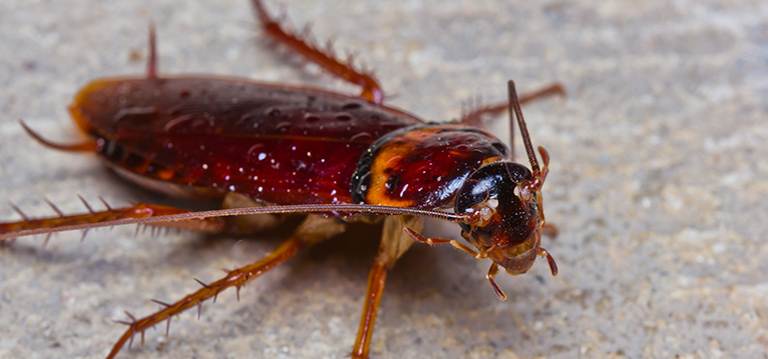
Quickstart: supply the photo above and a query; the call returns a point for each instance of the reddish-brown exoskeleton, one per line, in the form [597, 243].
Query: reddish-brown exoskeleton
[273, 149]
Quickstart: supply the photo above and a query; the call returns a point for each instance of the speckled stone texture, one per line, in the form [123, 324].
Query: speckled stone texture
[658, 183]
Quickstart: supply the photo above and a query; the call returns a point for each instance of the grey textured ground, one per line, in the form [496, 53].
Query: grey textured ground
[657, 156]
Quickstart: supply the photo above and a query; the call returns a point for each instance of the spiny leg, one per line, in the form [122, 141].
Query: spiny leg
[475, 115]
[139, 210]
[394, 243]
[312, 230]
[476, 111]
[236, 278]
[323, 58]
[244, 224]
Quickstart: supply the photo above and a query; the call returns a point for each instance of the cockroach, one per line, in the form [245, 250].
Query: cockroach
[271, 149]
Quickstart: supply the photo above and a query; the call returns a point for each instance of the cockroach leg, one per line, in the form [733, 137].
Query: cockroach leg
[474, 117]
[140, 210]
[236, 278]
[432, 241]
[312, 230]
[477, 110]
[244, 224]
[549, 230]
[552, 264]
[394, 243]
[549, 90]
[323, 58]
[491, 274]
[376, 280]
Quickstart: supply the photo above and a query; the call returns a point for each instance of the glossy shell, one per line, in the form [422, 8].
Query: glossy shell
[511, 236]
[422, 166]
[206, 136]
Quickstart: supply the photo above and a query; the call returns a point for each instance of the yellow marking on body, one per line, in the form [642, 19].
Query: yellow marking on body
[390, 156]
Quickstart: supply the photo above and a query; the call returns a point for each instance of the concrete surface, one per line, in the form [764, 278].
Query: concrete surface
[658, 183]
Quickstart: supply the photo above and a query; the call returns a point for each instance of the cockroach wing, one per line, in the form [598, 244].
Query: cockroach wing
[204, 137]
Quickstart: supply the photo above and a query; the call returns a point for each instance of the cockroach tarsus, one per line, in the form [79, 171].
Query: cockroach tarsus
[269, 149]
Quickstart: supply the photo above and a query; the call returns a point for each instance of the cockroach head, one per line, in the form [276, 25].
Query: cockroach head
[505, 221]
